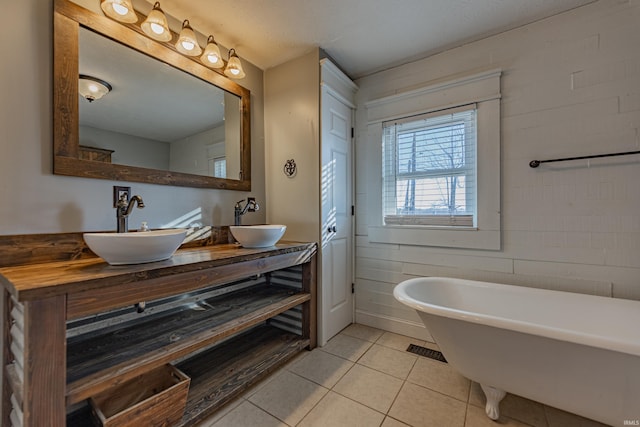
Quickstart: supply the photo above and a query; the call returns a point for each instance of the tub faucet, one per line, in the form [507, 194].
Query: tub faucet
[238, 211]
[123, 209]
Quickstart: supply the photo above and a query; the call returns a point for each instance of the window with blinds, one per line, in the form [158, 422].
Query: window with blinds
[429, 169]
[220, 167]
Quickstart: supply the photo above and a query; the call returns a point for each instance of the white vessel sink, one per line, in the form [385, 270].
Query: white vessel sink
[257, 236]
[135, 247]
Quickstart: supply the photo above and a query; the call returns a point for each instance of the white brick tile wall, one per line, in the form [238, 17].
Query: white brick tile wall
[570, 87]
[535, 280]
[614, 72]
[629, 102]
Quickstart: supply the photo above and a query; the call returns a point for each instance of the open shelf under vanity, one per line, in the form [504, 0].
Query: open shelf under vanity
[247, 313]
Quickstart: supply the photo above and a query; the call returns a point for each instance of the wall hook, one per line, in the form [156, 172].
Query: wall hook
[290, 168]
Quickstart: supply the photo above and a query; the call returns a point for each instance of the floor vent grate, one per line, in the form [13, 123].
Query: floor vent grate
[426, 352]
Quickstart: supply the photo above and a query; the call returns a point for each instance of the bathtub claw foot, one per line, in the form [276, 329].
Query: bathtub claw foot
[494, 396]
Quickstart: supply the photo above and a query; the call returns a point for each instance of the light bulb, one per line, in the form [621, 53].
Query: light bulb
[120, 9]
[187, 45]
[157, 28]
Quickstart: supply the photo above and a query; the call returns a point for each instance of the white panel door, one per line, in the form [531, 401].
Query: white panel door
[336, 310]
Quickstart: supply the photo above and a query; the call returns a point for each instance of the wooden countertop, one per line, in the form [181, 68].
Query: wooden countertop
[42, 280]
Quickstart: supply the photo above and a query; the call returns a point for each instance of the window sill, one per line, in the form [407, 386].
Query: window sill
[428, 227]
[440, 236]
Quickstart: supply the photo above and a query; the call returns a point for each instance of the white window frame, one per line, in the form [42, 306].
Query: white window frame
[482, 89]
[217, 161]
[468, 170]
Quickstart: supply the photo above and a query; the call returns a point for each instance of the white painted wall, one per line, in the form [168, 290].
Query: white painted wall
[127, 149]
[34, 200]
[571, 87]
[292, 117]
[190, 154]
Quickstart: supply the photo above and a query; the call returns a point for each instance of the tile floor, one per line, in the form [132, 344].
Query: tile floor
[365, 377]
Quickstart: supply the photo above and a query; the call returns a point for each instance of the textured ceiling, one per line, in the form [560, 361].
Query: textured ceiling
[363, 36]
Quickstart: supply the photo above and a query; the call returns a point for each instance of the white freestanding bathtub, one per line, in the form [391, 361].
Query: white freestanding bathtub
[579, 353]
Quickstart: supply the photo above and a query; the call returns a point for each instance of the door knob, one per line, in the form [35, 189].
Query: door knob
[331, 229]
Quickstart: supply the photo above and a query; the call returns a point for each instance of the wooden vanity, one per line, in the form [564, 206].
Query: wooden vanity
[224, 315]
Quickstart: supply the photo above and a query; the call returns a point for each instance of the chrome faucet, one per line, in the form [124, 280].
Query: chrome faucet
[123, 209]
[238, 211]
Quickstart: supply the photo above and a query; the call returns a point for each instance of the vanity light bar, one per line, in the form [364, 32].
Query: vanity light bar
[120, 10]
[155, 26]
[234, 67]
[187, 43]
[211, 56]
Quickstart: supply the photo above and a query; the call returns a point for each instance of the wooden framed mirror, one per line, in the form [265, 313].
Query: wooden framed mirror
[185, 116]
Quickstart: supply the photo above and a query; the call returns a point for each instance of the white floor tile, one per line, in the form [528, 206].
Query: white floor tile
[369, 387]
[398, 342]
[322, 368]
[390, 422]
[347, 347]
[353, 381]
[363, 332]
[248, 415]
[338, 411]
[476, 417]
[288, 397]
[389, 361]
[440, 377]
[419, 406]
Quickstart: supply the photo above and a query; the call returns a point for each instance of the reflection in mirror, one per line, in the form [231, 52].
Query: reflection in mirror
[201, 143]
[155, 116]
